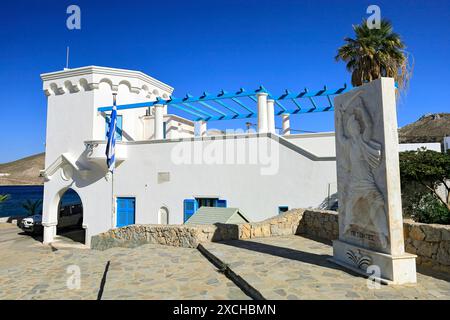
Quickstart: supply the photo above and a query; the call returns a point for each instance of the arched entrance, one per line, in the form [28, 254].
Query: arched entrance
[70, 217]
[163, 215]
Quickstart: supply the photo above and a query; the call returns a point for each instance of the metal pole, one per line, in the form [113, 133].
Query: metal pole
[112, 200]
[112, 177]
[67, 57]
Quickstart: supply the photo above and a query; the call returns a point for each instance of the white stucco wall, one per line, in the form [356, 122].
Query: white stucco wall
[322, 144]
[176, 127]
[296, 180]
[416, 146]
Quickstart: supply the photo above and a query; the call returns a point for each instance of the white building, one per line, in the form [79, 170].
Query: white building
[446, 144]
[167, 166]
[433, 146]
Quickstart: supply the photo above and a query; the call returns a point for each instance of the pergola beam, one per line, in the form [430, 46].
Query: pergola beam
[202, 111]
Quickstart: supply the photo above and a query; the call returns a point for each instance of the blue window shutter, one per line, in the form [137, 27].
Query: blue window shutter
[190, 207]
[222, 203]
[125, 211]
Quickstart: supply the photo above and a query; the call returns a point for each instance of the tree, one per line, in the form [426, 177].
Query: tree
[375, 53]
[430, 169]
[32, 206]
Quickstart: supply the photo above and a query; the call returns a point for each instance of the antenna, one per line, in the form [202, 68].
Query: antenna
[67, 58]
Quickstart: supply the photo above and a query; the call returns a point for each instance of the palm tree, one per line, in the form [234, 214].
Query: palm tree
[375, 53]
[32, 206]
[3, 197]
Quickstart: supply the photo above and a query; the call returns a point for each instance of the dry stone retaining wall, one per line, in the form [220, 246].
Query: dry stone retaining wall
[431, 243]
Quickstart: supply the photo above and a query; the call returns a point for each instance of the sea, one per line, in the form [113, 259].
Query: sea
[17, 195]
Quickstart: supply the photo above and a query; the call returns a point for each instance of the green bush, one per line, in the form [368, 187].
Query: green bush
[422, 173]
[428, 209]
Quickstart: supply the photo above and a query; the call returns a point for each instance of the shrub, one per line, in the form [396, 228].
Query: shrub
[422, 173]
[428, 209]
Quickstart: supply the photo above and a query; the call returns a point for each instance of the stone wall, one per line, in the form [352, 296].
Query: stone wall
[431, 243]
[136, 235]
[320, 223]
[284, 224]
[189, 236]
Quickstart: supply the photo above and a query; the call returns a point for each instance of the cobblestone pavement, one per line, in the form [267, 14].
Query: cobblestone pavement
[295, 267]
[31, 270]
[290, 267]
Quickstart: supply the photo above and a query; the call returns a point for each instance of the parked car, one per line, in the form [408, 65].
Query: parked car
[69, 216]
[32, 224]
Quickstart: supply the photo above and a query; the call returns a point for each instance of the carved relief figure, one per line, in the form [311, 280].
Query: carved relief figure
[362, 202]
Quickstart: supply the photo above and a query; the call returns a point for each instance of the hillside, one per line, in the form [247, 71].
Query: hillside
[22, 172]
[429, 128]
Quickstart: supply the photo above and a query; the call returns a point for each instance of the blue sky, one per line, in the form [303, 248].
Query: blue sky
[208, 45]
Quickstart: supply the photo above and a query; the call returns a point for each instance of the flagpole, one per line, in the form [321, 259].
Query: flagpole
[112, 200]
[112, 175]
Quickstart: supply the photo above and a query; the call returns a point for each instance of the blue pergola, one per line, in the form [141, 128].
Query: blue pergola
[228, 106]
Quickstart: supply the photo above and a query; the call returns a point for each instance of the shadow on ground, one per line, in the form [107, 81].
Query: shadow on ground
[287, 253]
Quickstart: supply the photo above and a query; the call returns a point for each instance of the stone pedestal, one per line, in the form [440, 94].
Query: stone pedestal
[368, 176]
[399, 269]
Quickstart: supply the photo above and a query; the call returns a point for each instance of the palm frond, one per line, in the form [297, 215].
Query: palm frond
[375, 53]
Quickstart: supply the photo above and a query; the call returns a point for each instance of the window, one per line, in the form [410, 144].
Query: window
[211, 202]
[118, 127]
[191, 206]
[206, 202]
[282, 209]
[163, 215]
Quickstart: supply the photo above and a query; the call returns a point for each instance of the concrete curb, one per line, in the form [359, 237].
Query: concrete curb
[248, 289]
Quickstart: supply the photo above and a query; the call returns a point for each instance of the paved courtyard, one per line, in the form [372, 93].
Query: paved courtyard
[31, 270]
[279, 268]
[295, 267]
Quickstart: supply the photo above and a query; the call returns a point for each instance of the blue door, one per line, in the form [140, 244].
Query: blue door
[125, 211]
[190, 206]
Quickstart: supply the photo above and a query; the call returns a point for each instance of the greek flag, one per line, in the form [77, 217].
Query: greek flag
[111, 146]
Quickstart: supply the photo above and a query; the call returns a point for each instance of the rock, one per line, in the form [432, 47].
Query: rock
[426, 249]
[416, 233]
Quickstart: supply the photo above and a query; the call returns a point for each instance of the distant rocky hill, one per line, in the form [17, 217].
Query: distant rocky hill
[22, 172]
[429, 128]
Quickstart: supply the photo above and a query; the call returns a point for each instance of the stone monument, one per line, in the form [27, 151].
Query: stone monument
[368, 177]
